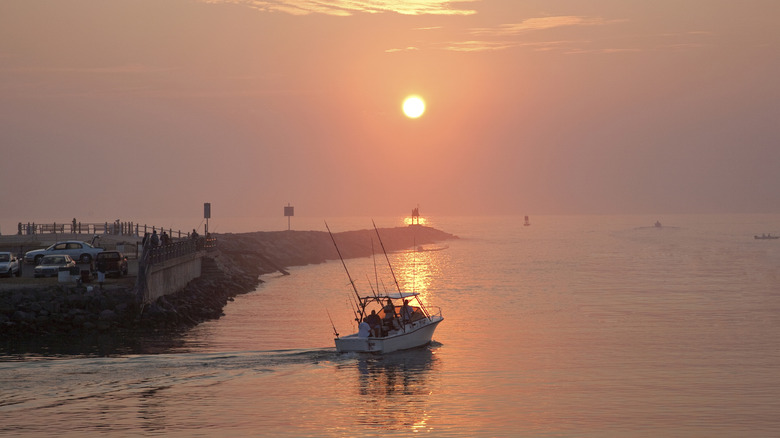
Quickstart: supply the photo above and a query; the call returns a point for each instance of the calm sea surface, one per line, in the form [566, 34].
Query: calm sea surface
[573, 326]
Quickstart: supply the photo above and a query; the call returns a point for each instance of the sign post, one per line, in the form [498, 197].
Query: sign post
[289, 211]
[207, 215]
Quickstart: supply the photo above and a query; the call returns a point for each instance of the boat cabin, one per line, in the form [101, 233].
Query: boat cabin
[382, 315]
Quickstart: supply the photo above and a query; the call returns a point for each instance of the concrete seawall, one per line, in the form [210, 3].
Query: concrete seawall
[170, 276]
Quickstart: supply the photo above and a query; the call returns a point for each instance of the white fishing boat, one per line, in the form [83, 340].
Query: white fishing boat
[388, 322]
[399, 330]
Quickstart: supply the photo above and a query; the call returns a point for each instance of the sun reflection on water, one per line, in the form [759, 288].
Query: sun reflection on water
[418, 269]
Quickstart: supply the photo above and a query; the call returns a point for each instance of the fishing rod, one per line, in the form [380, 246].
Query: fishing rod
[397, 286]
[331, 323]
[414, 264]
[352, 282]
[422, 306]
[358, 313]
[386, 257]
[371, 286]
[373, 257]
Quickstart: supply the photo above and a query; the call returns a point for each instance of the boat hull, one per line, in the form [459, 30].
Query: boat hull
[416, 335]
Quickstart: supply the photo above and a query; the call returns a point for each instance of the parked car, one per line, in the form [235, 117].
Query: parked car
[77, 250]
[9, 265]
[111, 262]
[50, 265]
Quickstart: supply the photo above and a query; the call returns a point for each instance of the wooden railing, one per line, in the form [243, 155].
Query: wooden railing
[117, 227]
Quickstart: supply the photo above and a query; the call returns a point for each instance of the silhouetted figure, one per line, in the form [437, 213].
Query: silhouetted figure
[406, 312]
[374, 323]
[389, 318]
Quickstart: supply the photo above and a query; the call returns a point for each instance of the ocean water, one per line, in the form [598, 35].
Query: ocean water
[575, 326]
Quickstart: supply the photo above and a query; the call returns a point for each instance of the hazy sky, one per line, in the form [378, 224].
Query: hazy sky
[147, 108]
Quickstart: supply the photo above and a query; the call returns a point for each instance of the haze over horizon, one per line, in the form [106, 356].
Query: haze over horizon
[149, 108]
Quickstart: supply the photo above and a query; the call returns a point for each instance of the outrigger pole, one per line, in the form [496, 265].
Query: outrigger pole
[422, 306]
[386, 257]
[352, 282]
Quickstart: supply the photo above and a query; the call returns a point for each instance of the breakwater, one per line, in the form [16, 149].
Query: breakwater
[234, 268]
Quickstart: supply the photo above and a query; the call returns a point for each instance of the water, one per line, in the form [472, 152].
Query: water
[574, 326]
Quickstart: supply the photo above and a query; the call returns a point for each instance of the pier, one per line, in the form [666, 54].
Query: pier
[157, 270]
[172, 286]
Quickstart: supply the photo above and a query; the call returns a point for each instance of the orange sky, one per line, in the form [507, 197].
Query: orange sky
[148, 108]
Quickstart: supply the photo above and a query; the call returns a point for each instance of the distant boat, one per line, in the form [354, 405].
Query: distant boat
[657, 224]
[766, 237]
[527, 222]
[423, 249]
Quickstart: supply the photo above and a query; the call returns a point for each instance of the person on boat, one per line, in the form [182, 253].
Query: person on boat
[406, 312]
[389, 319]
[364, 330]
[374, 323]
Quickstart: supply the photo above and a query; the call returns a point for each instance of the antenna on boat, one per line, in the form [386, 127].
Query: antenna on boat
[352, 282]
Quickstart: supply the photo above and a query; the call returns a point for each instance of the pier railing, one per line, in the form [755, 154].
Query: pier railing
[158, 254]
[117, 228]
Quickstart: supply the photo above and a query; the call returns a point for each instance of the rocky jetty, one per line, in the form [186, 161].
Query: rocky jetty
[234, 268]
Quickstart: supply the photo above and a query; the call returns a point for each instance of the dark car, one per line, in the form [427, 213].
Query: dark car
[50, 265]
[111, 262]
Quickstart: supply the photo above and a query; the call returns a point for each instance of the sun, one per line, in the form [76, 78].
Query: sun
[414, 107]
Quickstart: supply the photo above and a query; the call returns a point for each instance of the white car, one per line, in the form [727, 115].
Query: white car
[82, 252]
[9, 265]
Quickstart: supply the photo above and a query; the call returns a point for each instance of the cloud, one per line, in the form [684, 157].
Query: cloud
[350, 7]
[478, 46]
[488, 46]
[406, 49]
[604, 51]
[513, 35]
[542, 23]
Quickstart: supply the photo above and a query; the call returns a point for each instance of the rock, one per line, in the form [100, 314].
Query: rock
[20, 316]
[107, 315]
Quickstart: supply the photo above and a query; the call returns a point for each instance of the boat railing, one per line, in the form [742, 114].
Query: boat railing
[434, 311]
